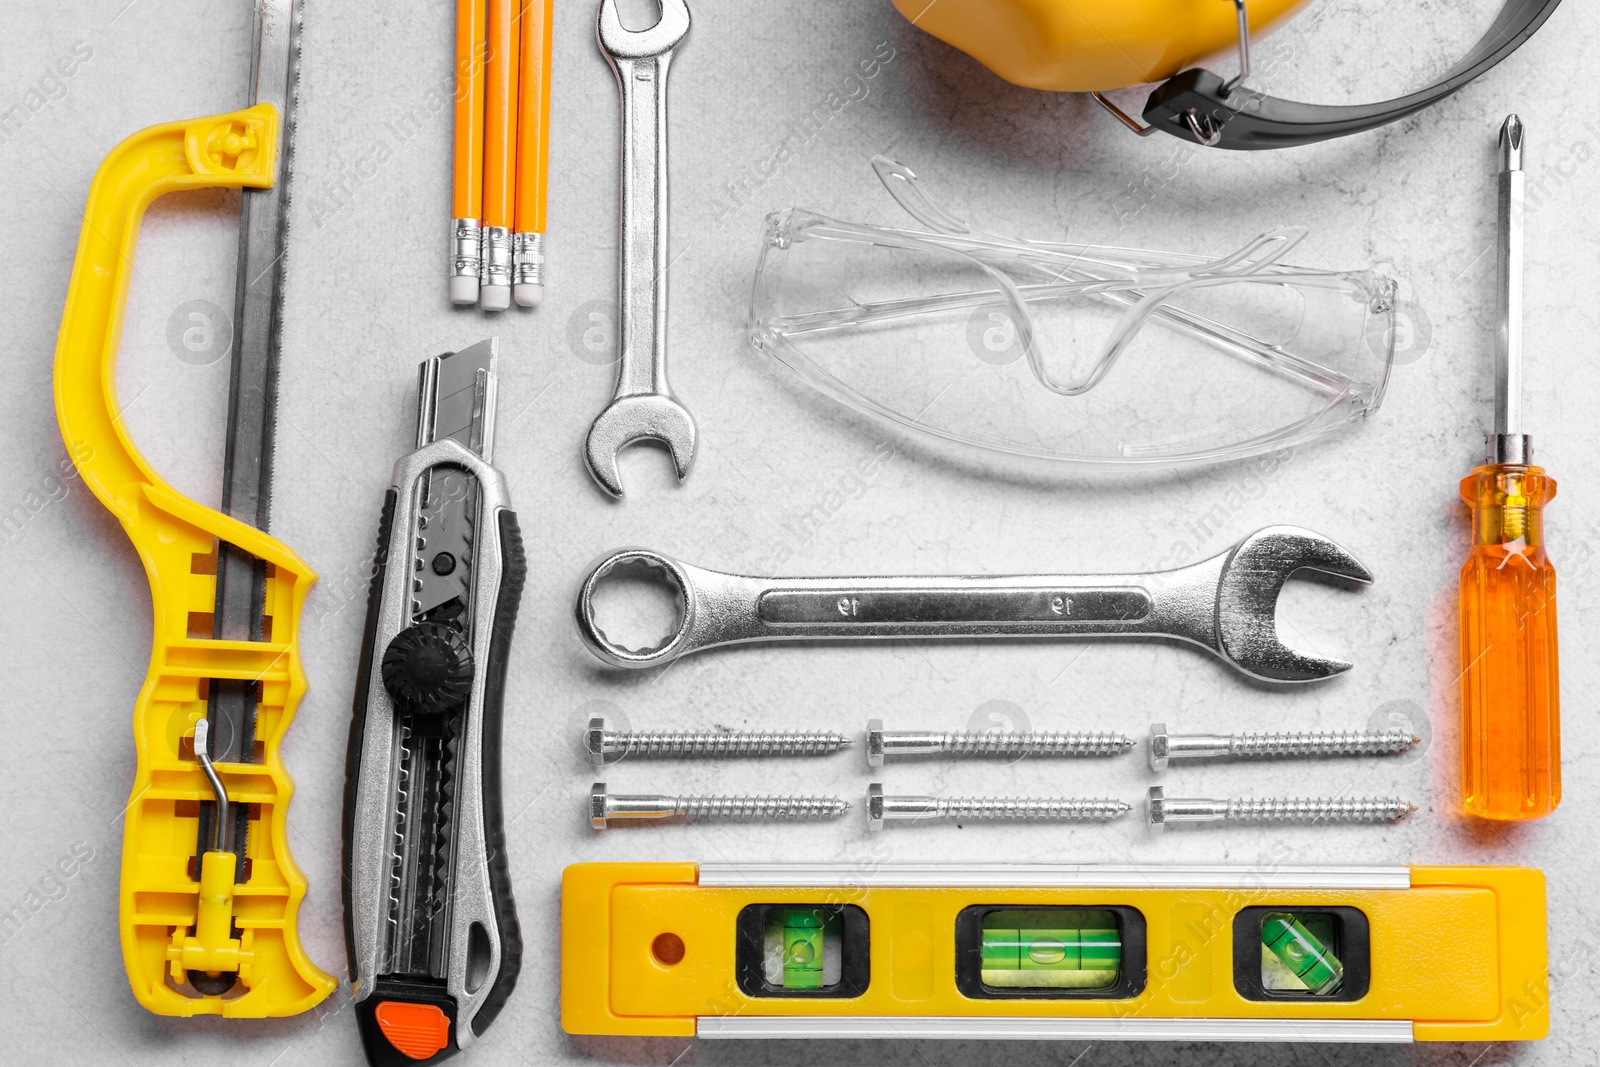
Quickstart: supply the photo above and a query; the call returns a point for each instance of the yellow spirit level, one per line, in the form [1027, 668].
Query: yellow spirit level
[1348, 954]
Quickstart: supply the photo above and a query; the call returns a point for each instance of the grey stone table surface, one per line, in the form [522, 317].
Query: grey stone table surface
[781, 473]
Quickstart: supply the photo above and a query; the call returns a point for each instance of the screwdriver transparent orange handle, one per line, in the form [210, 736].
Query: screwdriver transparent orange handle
[1510, 694]
[176, 540]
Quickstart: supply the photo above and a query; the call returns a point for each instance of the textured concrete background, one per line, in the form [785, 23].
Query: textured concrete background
[365, 302]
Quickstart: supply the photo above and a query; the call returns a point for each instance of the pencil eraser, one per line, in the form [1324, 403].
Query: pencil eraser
[463, 290]
[494, 297]
[528, 294]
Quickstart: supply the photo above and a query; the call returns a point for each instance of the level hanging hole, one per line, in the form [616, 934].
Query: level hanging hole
[667, 949]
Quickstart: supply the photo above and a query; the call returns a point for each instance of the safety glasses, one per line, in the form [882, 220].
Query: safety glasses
[1080, 355]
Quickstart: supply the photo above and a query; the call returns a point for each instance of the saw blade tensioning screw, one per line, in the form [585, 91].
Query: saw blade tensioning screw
[1287, 744]
[882, 808]
[1164, 811]
[606, 746]
[754, 807]
[989, 744]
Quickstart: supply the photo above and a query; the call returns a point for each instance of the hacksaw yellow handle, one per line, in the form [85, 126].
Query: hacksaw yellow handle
[176, 539]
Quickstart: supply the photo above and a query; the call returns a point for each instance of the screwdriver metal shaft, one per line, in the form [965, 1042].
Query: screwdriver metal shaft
[1508, 444]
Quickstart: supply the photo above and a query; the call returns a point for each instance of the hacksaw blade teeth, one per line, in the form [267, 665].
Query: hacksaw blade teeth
[291, 102]
[289, 121]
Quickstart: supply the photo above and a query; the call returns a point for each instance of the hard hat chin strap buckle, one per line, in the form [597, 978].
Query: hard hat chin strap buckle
[1201, 127]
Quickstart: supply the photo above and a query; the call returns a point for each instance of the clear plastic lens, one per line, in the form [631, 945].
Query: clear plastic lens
[1089, 358]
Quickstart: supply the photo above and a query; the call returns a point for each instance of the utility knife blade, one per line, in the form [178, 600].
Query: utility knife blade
[430, 922]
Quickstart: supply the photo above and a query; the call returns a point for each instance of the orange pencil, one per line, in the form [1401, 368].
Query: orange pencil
[533, 153]
[466, 238]
[499, 153]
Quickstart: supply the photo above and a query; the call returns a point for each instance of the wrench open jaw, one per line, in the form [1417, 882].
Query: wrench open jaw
[1226, 604]
[643, 407]
[1253, 574]
[619, 41]
[629, 419]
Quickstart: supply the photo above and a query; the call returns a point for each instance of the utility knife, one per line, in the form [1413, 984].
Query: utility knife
[430, 922]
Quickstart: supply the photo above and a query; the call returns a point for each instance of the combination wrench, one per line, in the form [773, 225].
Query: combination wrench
[1226, 604]
[643, 407]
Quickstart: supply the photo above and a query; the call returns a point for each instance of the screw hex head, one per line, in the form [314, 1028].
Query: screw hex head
[1158, 747]
[594, 740]
[597, 806]
[1157, 813]
[875, 744]
[874, 806]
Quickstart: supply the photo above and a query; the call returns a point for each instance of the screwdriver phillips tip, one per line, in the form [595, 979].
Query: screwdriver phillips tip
[1511, 143]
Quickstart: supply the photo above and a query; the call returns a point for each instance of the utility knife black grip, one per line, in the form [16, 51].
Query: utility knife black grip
[513, 575]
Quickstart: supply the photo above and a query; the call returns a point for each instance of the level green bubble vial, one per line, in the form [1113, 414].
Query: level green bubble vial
[1067, 948]
[802, 949]
[1290, 939]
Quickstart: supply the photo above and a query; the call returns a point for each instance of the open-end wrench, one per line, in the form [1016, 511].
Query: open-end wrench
[1226, 604]
[643, 407]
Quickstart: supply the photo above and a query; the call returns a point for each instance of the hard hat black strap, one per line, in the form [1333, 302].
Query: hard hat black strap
[1196, 106]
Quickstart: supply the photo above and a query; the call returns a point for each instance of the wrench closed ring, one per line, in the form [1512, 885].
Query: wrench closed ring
[618, 655]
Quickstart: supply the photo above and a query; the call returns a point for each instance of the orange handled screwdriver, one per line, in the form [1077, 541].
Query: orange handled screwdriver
[1510, 697]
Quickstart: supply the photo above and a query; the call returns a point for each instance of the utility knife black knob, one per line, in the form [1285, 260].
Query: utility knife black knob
[427, 668]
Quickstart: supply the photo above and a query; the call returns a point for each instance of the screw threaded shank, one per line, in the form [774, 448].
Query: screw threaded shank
[1004, 744]
[1061, 809]
[760, 807]
[1320, 743]
[703, 744]
[1318, 809]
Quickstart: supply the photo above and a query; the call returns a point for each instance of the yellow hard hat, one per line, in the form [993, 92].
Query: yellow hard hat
[1083, 46]
[1098, 45]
